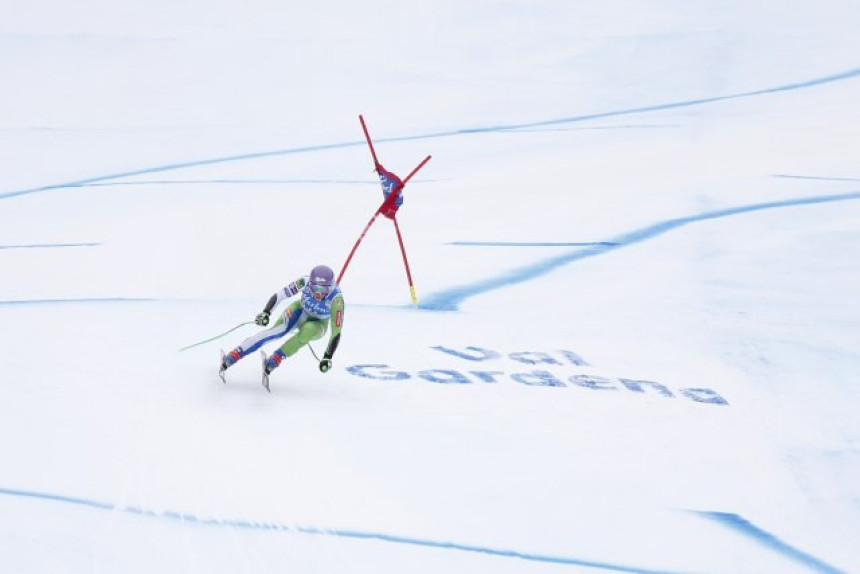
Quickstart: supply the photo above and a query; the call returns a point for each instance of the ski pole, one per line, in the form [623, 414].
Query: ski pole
[217, 336]
[314, 353]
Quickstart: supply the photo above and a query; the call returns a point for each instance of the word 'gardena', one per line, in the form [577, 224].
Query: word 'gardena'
[537, 378]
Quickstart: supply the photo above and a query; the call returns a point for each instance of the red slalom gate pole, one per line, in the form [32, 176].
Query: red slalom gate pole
[384, 208]
[414, 171]
[405, 262]
[369, 142]
[354, 247]
[389, 201]
[378, 211]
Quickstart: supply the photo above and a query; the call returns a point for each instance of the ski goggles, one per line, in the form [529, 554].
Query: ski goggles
[320, 292]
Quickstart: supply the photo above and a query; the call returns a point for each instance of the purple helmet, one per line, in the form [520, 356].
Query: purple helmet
[321, 281]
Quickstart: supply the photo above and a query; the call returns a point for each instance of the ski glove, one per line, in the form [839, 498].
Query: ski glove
[262, 319]
[325, 365]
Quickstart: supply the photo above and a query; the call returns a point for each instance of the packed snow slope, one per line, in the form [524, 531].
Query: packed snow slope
[635, 252]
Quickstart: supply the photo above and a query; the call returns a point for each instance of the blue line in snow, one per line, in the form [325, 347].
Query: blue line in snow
[338, 533]
[528, 243]
[846, 75]
[450, 299]
[609, 127]
[229, 182]
[23, 302]
[745, 527]
[48, 245]
[815, 177]
[181, 165]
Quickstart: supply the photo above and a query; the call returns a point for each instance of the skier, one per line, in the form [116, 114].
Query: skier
[321, 299]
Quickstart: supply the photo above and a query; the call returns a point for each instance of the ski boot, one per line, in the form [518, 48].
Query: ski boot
[227, 361]
[270, 365]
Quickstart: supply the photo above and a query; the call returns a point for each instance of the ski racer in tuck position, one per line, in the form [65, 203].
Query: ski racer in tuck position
[321, 299]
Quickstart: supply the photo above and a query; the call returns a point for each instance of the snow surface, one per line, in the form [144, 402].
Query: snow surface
[635, 252]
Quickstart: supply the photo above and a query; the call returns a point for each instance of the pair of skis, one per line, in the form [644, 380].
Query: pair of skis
[222, 371]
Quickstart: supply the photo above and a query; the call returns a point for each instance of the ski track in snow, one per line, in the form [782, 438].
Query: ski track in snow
[735, 522]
